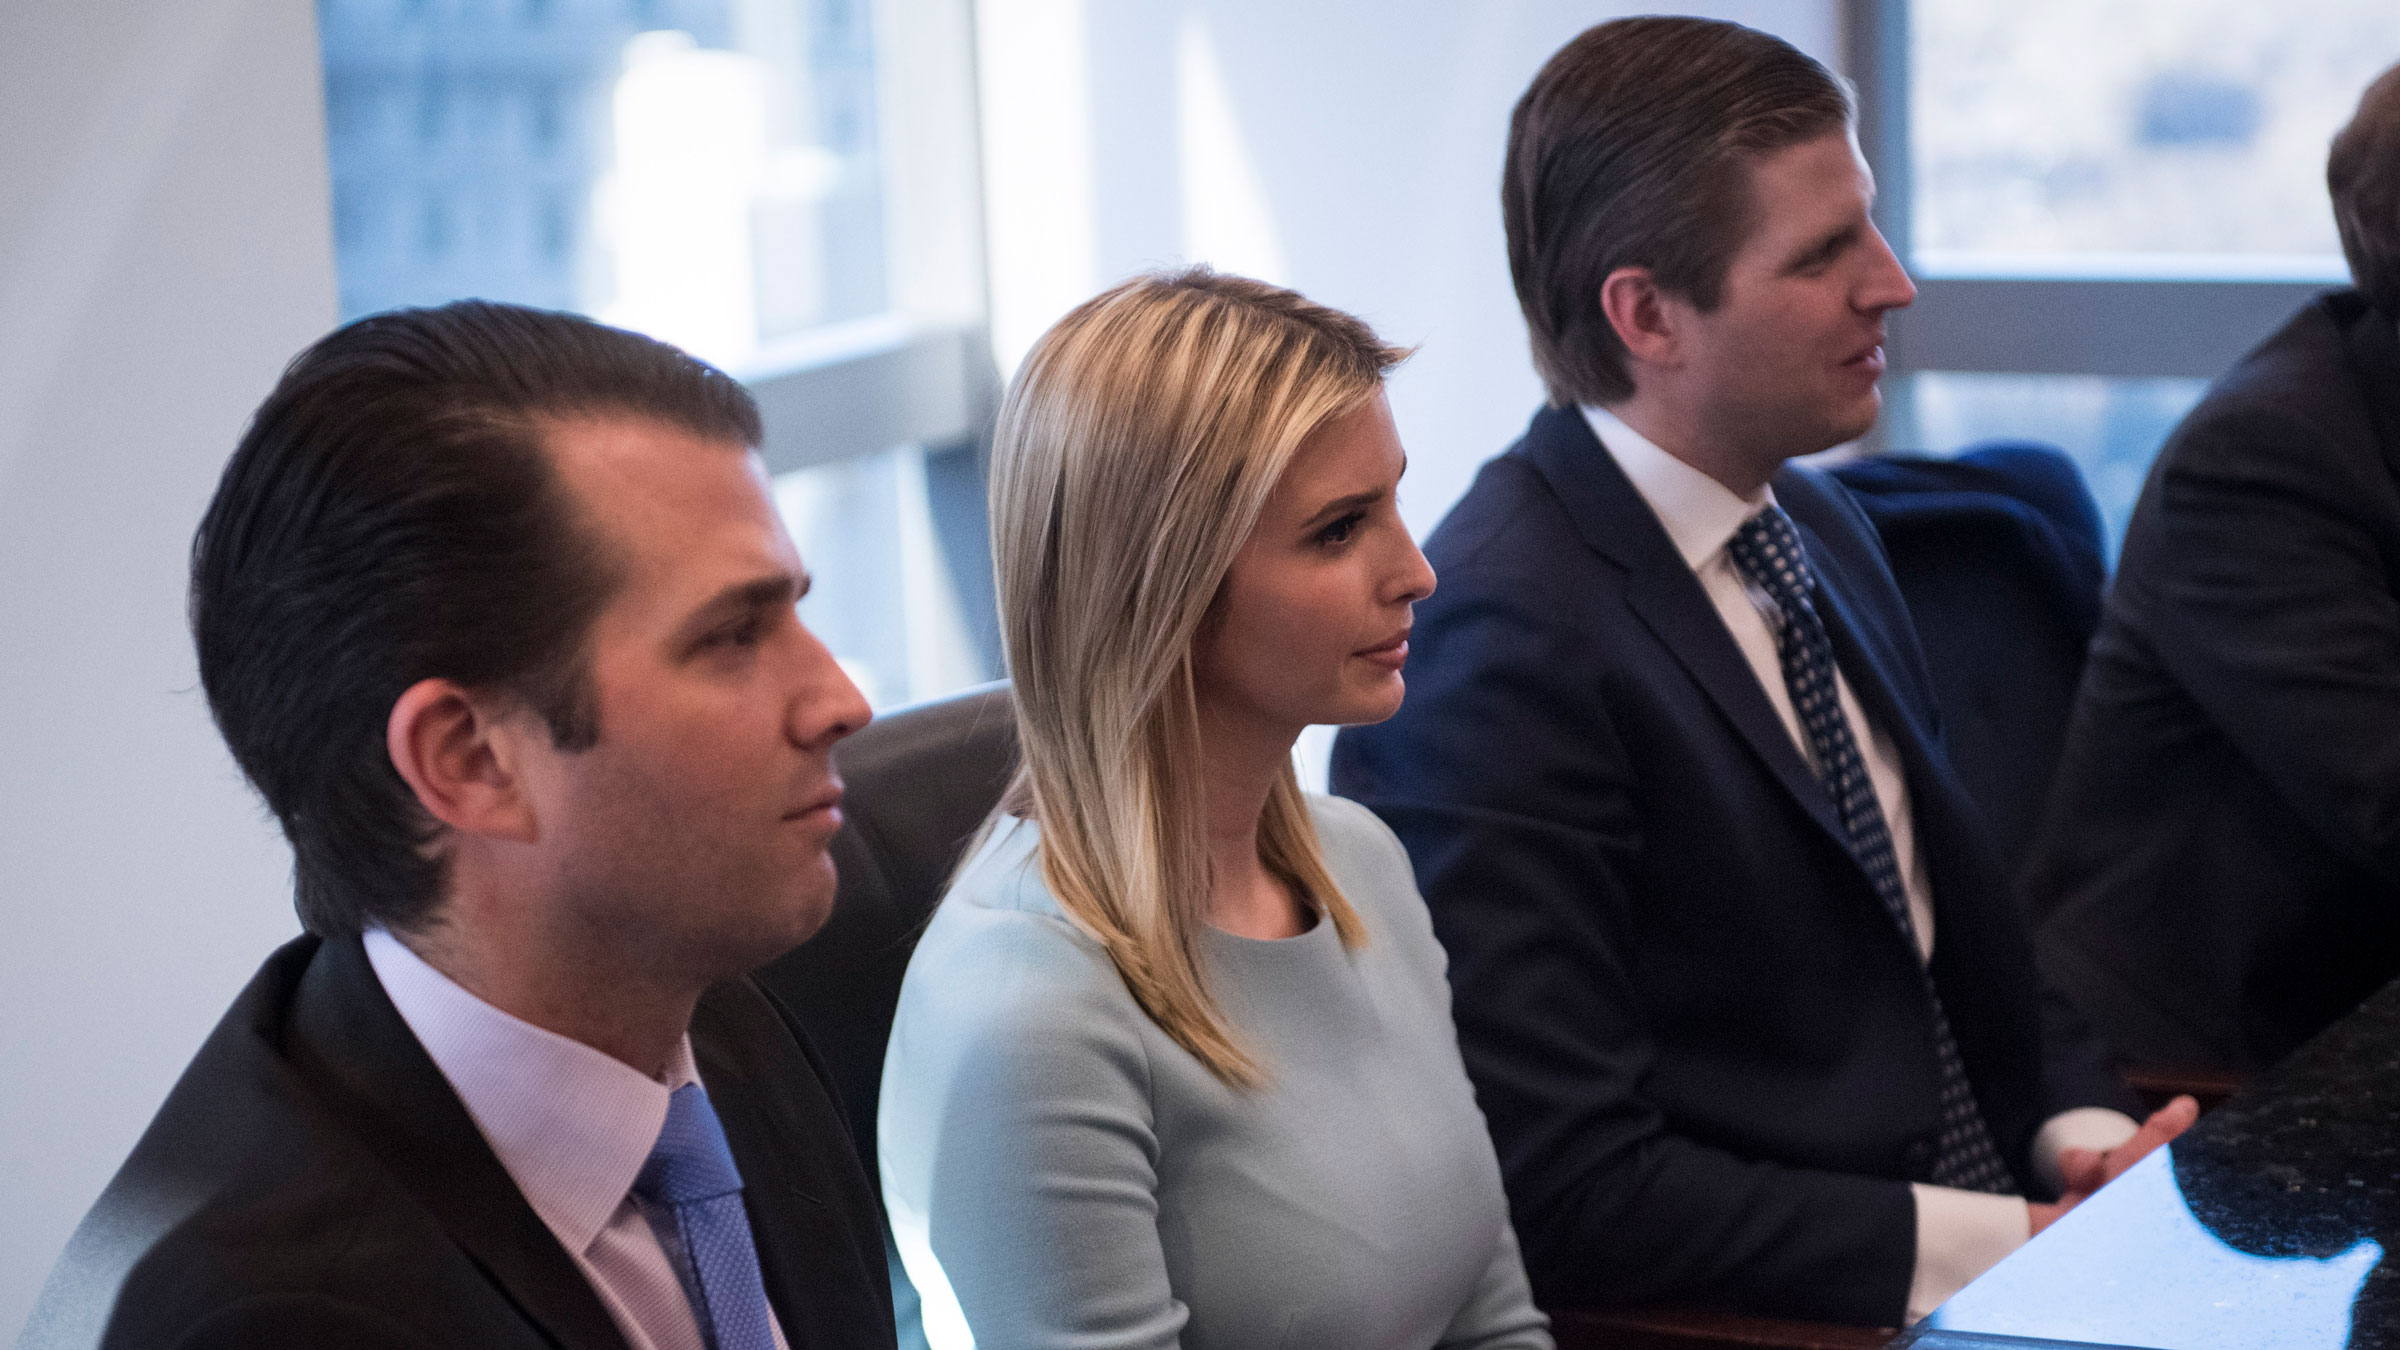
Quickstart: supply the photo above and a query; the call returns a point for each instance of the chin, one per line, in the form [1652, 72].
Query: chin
[812, 905]
[1372, 707]
[1859, 420]
[802, 902]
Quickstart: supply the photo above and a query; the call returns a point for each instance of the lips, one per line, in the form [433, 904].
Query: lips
[1868, 358]
[828, 803]
[1392, 651]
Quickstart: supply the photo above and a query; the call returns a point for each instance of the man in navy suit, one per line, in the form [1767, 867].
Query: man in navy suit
[1750, 1017]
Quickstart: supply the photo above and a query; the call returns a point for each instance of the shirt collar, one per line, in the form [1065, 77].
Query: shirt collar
[572, 1124]
[1699, 512]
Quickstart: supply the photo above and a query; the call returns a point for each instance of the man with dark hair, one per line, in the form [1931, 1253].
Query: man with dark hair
[493, 609]
[1752, 1023]
[2217, 876]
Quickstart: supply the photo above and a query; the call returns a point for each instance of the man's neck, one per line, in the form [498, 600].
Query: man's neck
[1740, 468]
[604, 999]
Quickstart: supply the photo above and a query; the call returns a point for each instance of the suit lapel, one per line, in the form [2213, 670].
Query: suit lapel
[795, 1228]
[352, 1044]
[1864, 651]
[1662, 591]
[1678, 610]
[1872, 662]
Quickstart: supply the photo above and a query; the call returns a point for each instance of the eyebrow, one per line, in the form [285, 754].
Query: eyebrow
[1356, 499]
[746, 597]
[1340, 505]
[1828, 246]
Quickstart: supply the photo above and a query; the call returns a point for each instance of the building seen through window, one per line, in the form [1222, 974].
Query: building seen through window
[2165, 136]
[710, 172]
[2177, 142]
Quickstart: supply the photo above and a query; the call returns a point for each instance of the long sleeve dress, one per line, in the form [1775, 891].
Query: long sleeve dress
[1059, 1173]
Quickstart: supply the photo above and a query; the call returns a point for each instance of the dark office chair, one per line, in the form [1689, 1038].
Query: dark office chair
[1998, 554]
[917, 784]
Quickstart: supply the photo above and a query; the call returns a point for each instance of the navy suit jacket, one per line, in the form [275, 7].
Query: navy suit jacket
[1701, 1043]
[312, 1181]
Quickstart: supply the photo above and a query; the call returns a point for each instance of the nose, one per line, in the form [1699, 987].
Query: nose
[825, 704]
[1886, 285]
[1412, 577]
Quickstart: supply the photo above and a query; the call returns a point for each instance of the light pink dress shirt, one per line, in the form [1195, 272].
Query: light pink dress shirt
[571, 1124]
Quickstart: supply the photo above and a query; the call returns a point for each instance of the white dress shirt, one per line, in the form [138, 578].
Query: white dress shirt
[1960, 1234]
[573, 1127]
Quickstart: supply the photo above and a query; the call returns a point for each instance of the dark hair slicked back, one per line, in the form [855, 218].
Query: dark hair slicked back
[1632, 148]
[391, 515]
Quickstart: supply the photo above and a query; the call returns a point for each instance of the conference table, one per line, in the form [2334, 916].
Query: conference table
[2264, 1228]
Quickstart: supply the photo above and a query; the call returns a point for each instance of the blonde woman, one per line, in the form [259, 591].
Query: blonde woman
[1173, 1064]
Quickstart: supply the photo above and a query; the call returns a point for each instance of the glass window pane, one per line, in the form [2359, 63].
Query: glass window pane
[886, 579]
[2065, 135]
[702, 170]
[709, 172]
[2111, 428]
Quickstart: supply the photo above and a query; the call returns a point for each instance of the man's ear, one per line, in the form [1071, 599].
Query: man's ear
[460, 755]
[1643, 315]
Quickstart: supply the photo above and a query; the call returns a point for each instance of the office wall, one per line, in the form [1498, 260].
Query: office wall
[164, 249]
[1349, 148]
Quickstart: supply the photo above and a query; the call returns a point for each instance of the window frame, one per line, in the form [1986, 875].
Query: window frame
[2071, 320]
[922, 372]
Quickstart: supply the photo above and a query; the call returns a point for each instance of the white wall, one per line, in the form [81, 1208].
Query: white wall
[1348, 148]
[164, 249]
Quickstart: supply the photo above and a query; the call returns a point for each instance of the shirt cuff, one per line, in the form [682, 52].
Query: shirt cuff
[1960, 1235]
[2093, 1127]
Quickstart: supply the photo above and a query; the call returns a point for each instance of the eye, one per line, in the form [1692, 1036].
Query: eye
[744, 632]
[1824, 255]
[1341, 529]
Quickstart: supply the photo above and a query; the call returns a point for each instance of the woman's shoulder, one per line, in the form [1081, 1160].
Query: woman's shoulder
[1000, 945]
[1371, 866]
[1358, 846]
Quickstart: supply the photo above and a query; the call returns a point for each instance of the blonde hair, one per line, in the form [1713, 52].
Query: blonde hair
[1134, 450]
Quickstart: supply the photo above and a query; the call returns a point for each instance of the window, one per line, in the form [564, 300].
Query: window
[2104, 205]
[786, 188]
[2150, 137]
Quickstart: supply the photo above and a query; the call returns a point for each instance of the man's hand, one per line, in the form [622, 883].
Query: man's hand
[2086, 1170]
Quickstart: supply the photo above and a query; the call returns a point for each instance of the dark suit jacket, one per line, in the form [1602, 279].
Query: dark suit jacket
[313, 1182]
[2218, 875]
[1702, 1044]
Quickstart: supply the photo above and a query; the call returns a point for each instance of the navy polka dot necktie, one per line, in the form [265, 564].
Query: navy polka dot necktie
[1767, 550]
[692, 1195]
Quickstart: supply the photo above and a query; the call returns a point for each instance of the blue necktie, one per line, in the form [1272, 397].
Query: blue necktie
[692, 1196]
[1768, 551]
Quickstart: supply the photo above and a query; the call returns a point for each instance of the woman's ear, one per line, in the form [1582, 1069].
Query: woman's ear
[459, 754]
[1641, 313]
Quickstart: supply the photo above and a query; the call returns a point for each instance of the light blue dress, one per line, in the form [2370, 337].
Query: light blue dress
[1061, 1174]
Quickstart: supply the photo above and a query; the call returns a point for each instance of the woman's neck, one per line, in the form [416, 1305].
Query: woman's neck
[1239, 769]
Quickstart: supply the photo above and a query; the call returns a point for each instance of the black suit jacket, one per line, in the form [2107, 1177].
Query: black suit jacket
[313, 1182]
[1701, 1043]
[2218, 874]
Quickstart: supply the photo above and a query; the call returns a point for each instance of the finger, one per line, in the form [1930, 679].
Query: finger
[2164, 1124]
[2081, 1169]
[2178, 1115]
